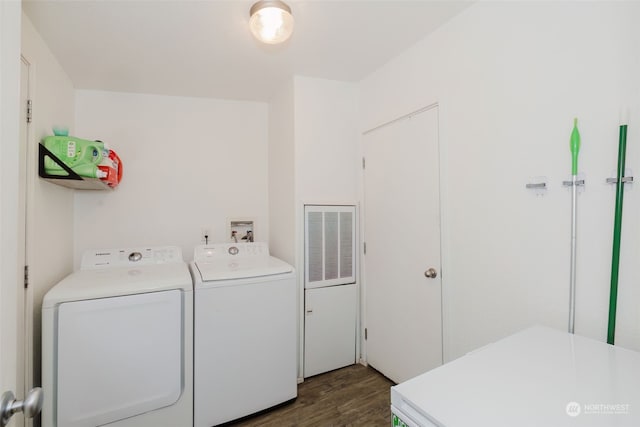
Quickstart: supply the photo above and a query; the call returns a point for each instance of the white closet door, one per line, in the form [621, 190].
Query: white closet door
[402, 235]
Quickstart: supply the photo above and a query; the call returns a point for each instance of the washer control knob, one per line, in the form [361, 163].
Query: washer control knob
[233, 250]
[135, 256]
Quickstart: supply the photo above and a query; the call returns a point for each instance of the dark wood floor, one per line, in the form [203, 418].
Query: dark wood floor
[351, 396]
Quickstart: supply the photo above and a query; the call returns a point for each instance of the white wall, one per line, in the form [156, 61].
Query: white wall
[312, 154]
[326, 136]
[510, 77]
[189, 164]
[282, 174]
[49, 206]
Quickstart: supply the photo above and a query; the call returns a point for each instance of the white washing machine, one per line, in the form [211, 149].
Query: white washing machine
[117, 342]
[245, 357]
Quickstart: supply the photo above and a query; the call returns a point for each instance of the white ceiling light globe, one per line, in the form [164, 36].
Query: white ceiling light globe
[271, 21]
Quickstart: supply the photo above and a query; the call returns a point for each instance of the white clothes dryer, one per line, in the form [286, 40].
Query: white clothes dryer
[245, 351]
[117, 342]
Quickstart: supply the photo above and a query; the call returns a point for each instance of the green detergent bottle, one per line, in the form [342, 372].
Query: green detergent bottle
[81, 155]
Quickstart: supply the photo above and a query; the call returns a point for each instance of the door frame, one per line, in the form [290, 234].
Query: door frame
[445, 256]
[28, 162]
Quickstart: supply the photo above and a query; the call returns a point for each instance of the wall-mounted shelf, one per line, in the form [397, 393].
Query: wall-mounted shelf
[72, 180]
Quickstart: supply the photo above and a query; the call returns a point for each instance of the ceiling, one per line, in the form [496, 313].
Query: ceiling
[205, 49]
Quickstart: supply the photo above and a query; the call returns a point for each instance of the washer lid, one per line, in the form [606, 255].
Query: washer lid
[110, 282]
[241, 268]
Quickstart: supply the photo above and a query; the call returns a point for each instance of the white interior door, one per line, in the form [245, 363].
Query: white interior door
[11, 295]
[402, 235]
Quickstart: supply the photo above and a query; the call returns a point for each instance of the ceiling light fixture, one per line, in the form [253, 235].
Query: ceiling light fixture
[271, 21]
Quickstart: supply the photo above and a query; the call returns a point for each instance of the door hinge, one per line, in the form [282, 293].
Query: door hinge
[363, 163]
[26, 276]
[29, 110]
[365, 247]
[365, 334]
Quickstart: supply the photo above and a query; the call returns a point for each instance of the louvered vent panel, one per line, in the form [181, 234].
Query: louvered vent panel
[329, 245]
[331, 248]
[315, 263]
[346, 244]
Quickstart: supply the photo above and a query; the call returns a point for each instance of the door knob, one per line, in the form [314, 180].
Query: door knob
[431, 273]
[30, 406]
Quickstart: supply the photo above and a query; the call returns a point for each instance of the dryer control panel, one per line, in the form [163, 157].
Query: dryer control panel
[107, 258]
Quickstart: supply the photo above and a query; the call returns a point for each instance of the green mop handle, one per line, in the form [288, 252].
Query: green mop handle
[575, 147]
[617, 230]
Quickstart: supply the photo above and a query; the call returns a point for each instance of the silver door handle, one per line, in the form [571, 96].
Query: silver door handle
[30, 406]
[431, 273]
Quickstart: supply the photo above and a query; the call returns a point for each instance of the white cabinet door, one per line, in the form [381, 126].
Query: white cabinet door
[329, 328]
[402, 235]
